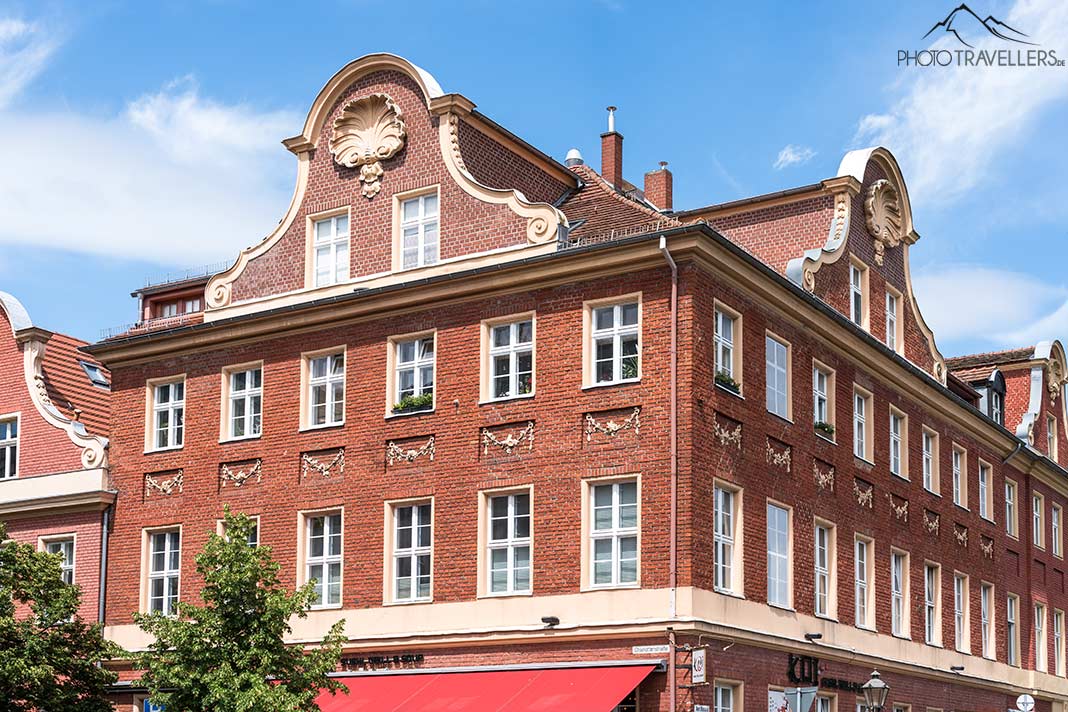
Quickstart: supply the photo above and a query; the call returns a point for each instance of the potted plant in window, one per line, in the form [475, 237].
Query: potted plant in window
[825, 428]
[414, 403]
[725, 380]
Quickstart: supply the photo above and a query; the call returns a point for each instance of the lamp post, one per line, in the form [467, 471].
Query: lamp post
[875, 692]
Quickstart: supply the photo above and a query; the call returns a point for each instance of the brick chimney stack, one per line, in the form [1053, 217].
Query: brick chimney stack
[612, 152]
[658, 187]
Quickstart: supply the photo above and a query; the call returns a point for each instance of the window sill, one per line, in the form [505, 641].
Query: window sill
[163, 449]
[902, 637]
[932, 645]
[866, 628]
[607, 587]
[961, 506]
[932, 492]
[823, 617]
[324, 426]
[509, 399]
[731, 391]
[783, 418]
[782, 607]
[404, 414]
[331, 607]
[732, 594]
[823, 436]
[416, 602]
[516, 594]
[863, 460]
[244, 438]
[609, 384]
[904, 477]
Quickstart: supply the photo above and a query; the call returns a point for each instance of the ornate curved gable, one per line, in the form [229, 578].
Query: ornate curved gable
[871, 226]
[381, 131]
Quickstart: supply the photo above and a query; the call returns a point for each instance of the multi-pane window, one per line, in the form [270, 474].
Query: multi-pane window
[412, 552]
[9, 448]
[997, 407]
[1038, 529]
[246, 403]
[891, 320]
[930, 461]
[323, 560]
[615, 343]
[821, 396]
[959, 491]
[419, 231]
[191, 305]
[1012, 634]
[824, 704]
[331, 250]
[1010, 508]
[985, 490]
[614, 534]
[724, 698]
[898, 578]
[168, 309]
[960, 612]
[509, 543]
[1058, 642]
[723, 539]
[64, 547]
[1055, 514]
[168, 415]
[897, 436]
[1040, 637]
[778, 555]
[512, 359]
[164, 571]
[254, 533]
[1051, 437]
[862, 583]
[415, 368]
[986, 613]
[860, 425]
[725, 327]
[326, 390]
[777, 361]
[931, 586]
[823, 542]
[856, 294]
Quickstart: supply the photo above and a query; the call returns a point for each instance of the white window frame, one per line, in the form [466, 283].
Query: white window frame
[899, 592]
[333, 528]
[932, 603]
[513, 351]
[1056, 517]
[174, 408]
[858, 291]
[617, 534]
[1038, 520]
[898, 428]
[413, 554]
[986, 489]
[825, 569]
[425, 221]
[512, 543]
[893, 303]
[961, 613]
[1058, 642]
[1012, 631]
[331, 252]
[329, 382]
[65, 545]
[863, 582]
[726, 696]
[986, 625]
[823, 397]
[959, 467]
[1012, 524]
[777, 376]
[862, 435]
[1041, 643]
[618, 334]
[9, 446]
[1051, 437]
[996, 407]
[929, 448]
[725, 344]
[725, 525]
[418, 365]
[250, 397]
[779, 560]
[170, 576]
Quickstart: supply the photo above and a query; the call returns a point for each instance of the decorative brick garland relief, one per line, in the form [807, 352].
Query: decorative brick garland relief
[729, 434]
[396, 453]
[823, 474]
[238, 477]
[864, 493]
[316, 462]
[899, 506]
[777, 454]
[509, 442]
[931, 521]
[166, 487]
[610, 427]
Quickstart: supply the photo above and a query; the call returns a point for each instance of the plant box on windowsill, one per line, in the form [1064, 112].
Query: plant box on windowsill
[725, 381]
[414, 404]
[825, 428]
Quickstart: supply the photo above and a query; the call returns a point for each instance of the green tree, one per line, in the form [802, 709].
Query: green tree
[48, 655]
[228, 655]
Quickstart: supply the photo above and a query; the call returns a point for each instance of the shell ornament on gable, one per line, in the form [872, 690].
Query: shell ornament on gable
[366, 132]
[883, 211]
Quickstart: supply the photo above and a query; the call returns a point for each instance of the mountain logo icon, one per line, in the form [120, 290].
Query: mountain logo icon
[965, 25]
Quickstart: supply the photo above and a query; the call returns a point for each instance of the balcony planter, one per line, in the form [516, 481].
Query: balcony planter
[825, 428]
[414, 404]
[724, 380]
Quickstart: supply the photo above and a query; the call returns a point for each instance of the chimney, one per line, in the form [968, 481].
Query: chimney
[612, 152]
[658, 187]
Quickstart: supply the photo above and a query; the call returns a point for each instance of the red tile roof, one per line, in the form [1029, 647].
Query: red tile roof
[991, 358]
[69, 387]
[602, 213]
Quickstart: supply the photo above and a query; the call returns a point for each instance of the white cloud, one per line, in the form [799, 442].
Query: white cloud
[24, 51]
[793, 154]
[973, 307]
[949, 124]
[175, 177]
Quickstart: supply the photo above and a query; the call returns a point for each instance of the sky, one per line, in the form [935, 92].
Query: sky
[142, 139]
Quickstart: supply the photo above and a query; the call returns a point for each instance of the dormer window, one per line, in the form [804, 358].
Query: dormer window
[331, 255]
[858, 294]
[1051, 437]
[893, 320]
[419, 231]
[997, 407]
[95, 374]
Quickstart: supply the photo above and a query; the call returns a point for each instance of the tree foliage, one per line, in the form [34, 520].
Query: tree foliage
[48, 655]
[228, 654]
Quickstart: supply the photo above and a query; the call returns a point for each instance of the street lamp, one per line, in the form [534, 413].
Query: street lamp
[875, 692]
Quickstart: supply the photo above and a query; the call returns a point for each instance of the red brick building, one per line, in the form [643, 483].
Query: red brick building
[537, 435]
[55, 490]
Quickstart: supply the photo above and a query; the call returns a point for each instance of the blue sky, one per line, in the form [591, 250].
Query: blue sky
[139, 138]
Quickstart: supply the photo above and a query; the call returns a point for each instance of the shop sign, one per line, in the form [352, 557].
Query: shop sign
[803, 670]
[699, 671]
[382, 661]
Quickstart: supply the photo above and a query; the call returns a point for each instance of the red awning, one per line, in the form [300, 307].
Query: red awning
[581, 689]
